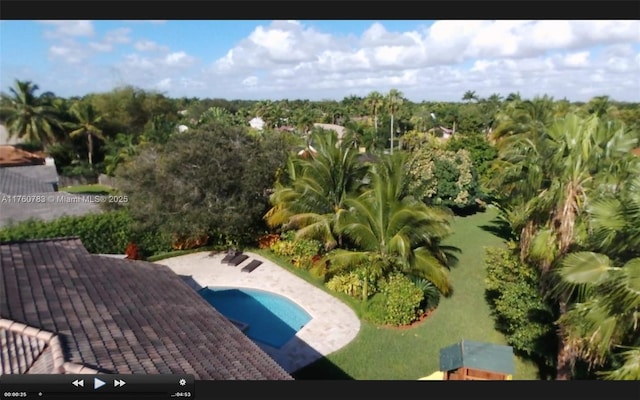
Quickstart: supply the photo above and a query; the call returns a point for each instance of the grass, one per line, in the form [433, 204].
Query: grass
[382, 353]
[411, 353]
[89, 189]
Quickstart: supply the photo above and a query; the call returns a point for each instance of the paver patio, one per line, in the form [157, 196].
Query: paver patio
[333, 323]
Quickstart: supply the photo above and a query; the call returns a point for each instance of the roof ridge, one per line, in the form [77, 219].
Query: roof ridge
[51, 340]
[55, 239]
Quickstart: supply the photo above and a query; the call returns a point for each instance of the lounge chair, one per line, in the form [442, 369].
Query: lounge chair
[239, 259]
[251, 266]
[231, 254]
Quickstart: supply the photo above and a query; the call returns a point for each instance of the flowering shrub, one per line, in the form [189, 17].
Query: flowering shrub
[133, 251]
[266, 241]
[443, 177]
[301, 252]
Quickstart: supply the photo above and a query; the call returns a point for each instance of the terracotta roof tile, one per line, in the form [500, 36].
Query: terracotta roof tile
[123, 316]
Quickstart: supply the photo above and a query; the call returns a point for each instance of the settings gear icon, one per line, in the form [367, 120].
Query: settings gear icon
[182, 382]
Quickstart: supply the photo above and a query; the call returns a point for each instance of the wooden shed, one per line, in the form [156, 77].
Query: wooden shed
[468, 360]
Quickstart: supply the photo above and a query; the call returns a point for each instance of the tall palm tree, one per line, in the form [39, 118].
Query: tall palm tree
[28, 116]
[393, 232]
[470, 95]
[374, 102]
[314, 197]
[394, 101]
[86, 124]
[550, 175]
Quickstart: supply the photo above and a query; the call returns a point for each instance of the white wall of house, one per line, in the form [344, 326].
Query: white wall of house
[257, 123]
[4, 136]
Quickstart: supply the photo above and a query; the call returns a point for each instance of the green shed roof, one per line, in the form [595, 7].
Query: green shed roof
[479, 355]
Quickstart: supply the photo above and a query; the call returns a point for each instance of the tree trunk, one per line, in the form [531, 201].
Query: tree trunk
[375, 122]
[391, 133]
[564, 368]
[90, 148]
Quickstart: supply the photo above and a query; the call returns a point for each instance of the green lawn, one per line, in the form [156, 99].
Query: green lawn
[386, 353]
[88, 189]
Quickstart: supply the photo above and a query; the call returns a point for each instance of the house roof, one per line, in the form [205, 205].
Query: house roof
[14, 156]
[13, 182]
[121, 316]
[42, 173]
[477, 355]
[333, 127]
[54, 206]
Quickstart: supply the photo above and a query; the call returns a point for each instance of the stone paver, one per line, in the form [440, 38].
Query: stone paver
[333, 323]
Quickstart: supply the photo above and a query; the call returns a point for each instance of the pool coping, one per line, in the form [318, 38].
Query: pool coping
[333, 324]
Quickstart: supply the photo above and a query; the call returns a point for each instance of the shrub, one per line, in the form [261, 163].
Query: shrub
[519, 308]
[429, 291]
[442, 177]
[266, 241]
[108, 232]
[397, 303]
[132, 251]
[300, 251]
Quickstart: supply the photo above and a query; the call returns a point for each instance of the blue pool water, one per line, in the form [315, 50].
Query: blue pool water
[272, 319]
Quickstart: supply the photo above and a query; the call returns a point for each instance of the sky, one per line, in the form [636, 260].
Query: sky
[316, 60]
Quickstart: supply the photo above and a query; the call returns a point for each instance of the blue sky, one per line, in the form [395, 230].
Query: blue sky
[426, 60]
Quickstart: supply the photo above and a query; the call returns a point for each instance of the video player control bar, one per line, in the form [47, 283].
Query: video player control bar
[96, 386]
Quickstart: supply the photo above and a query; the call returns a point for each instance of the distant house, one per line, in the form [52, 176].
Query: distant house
[332, 127]
[4, 137]
[257, 123]
[13, 156]
[69, 311]
[29, 189]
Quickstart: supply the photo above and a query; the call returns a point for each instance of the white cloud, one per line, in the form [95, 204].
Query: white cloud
[179, 58]
[149, 45]
[119, 35]
[69, 28]
[580, 59]
[164, 84]
[295, 59]
[250, 81]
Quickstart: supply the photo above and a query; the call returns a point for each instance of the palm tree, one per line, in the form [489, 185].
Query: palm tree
[394, 101]
[314, 197]
[374, 101]
[550, 175]
[28, 116]
[86, 124]
[604, 318]
[470, 95]
[393, 232]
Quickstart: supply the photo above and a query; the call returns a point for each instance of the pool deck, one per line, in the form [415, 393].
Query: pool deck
[333, 324]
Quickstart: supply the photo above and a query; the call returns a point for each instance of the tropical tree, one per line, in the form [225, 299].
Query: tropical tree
[394, 101]
[86, 124]
[28, 116]
[470, 95]
[313, 199]
[603, 321]
[549, 176]
[393, 232]
[374, 102]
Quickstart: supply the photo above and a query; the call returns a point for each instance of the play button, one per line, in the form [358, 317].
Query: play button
[98, 383]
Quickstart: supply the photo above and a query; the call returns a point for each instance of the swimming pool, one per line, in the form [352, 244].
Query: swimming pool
[268, 318]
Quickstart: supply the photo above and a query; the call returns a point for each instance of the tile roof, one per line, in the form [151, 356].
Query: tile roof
[41, 173]
[11, 155]
[12, 182]
[123, 316]
[57, 204]
[29, 350]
